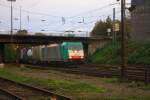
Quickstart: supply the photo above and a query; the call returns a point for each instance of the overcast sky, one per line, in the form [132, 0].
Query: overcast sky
[75, 12]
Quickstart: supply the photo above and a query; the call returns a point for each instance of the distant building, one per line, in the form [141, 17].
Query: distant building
[141, 20]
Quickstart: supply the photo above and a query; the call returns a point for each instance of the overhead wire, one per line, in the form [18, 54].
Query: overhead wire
[102, 16]
[31, 12]
[44, 14]
[75, 16]
[34, 4]
[94, 10]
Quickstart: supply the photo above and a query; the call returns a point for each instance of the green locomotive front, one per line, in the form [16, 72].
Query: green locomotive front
[72, 51]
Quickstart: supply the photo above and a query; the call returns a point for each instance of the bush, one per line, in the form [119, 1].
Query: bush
[138, 53]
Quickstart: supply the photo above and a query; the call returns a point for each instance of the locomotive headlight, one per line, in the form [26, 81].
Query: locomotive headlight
[75, 51]
[70, 57]
[82, 57]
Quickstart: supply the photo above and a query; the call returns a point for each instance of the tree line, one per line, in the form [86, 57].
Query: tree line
[101, 27]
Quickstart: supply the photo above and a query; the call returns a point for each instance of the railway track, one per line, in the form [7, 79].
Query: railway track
[6, 95]
[11, 90]
[137, 73]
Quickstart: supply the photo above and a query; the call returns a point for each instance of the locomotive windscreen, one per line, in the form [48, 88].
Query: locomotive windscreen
[75, 47]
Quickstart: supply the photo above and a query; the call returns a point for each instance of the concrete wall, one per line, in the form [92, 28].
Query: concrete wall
[1, 53]
[95, 45]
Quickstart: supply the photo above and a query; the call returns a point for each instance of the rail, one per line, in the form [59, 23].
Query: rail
[133, 73]
[29, 87]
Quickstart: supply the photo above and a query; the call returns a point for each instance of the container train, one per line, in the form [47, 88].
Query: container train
[64, 52]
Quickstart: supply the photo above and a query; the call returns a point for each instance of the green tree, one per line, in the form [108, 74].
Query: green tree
[22, 32]
[101, 27]
[39, 34]
[109, 22]
[12, 53]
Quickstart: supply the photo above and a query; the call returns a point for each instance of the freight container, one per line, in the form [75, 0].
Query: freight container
[36, 55]
[29, 52]
[51, 53]
[21, 53]
[26, 53]
[43, 53]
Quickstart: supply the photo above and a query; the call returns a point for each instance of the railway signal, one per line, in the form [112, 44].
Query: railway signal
[109, 32]
[116, 27]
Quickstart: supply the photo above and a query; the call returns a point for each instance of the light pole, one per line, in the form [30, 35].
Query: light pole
[20, 18]
[123, 40]
[114, 18]
[124, 60]
[11, 30]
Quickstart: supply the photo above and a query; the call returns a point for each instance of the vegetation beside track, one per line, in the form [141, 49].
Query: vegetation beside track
[78, 86]
[138, 53]
[56, 85]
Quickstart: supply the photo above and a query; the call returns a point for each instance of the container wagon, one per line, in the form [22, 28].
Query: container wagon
[65, 52]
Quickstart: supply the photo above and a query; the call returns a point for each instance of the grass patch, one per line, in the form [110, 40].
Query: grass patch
[140, 55]
[119, 97]
[64, 86]
[147, 87]
[104, 54]
[127, 98]
[110, 80]
[74, 86]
